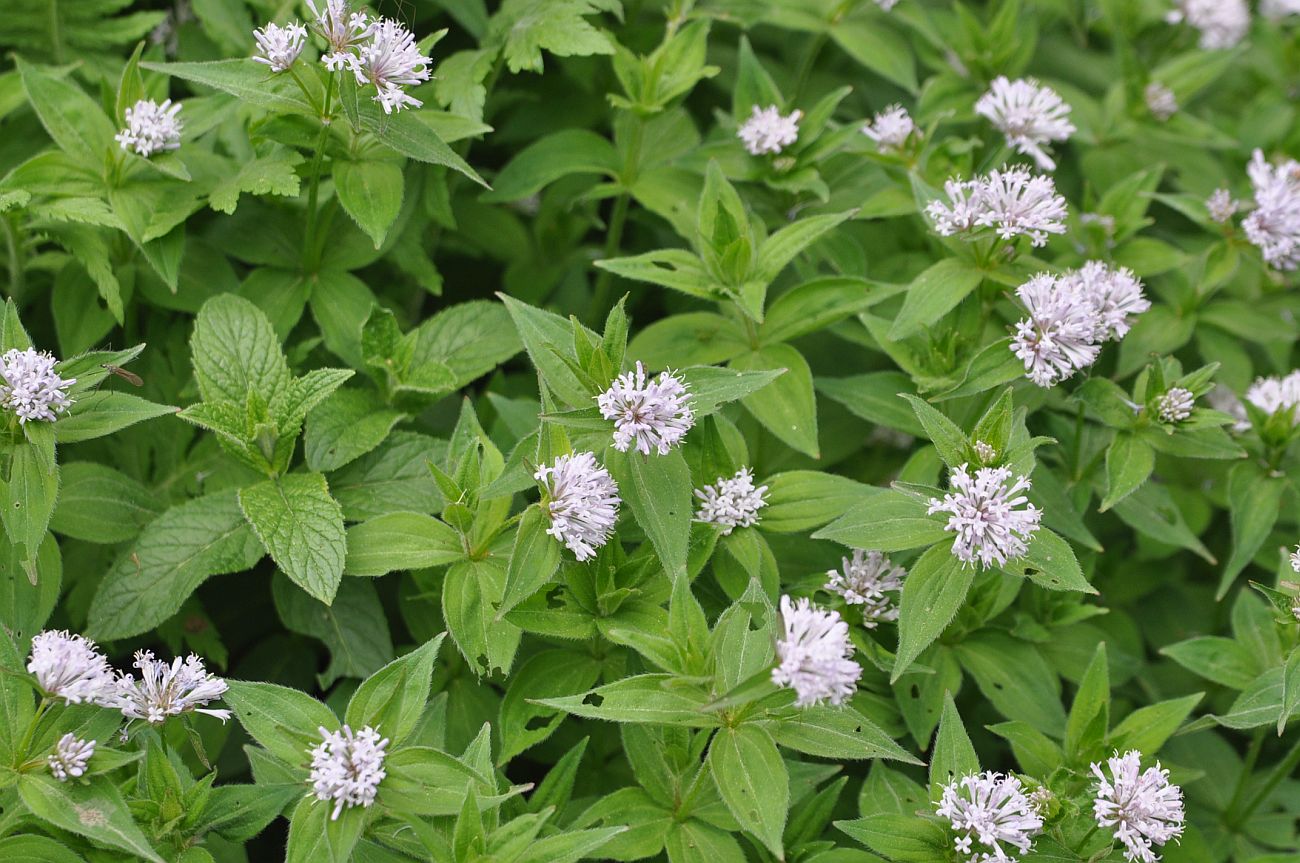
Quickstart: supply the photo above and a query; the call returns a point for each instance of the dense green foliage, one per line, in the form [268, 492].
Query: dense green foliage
[352, 336]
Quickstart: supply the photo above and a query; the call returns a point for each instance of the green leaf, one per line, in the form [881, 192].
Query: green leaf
[1254, 501]
[1089, 718]
[533, 559]
[93, 808]
[711, 387]
[1015, 679]
[904, 838]
[889, 521]
[933, 294]
[371, 193]
[174, 554]
[401, 541]
[29, 496]
[651, 698]
[935, 588]
[560, 154]
[25, 605]
[877, 47]
[954, 756]
[801, 500]
[235, 351]
[948, 439]
[838, 733]
[875, 398]
[471, 593]
[1049, 562]
[657, 489]
[784, 245]
[547, 674]
[249, 82]
[752, 780]
[346, 426]
[301, 527]
[1220, 660]
[353, 627]
[817, 304]
[315, 837]
[393, 699]
[280, 718]
[1129, 461]
[78, 126]
[103, 413]
[404, 133]
[1147, 728]
[787, 406]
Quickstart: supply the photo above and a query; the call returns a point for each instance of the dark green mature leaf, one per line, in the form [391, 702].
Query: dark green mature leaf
[249, 82]
[935, 588]
[954, 756]
[94, 809]
[103, 413]
[301, 527]
[787, 406]
[752, 780]
[657, 489]
[174, 554]
[933, 294]
[401, 540]
[533, 559]
[353, 627]
[393, 698]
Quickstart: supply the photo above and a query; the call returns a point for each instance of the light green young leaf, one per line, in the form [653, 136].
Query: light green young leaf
[657, 489]
[752, 780]
[93, 808]
[401, 541]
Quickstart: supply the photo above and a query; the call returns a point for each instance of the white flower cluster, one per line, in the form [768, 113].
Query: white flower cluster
[733, 502]
[1028, 114]
[163, 690]
[1175, 405]
[653, 415]
[69, 667]
[1274, 224]
[70, 757]
[1161, 101]
[886, 5]
[890, 129]
[30, 387]
[346, 768]
[381, 53]
[1276, 10]
[1012, 201]
[582, 500]
[865, 579]
[1274, 395]
[1295, 559]
[990, 516]
[151, 127]
[1140, 806]
[815, 655]
[767, 131]
[990, 813]
[985, 451]
[1071, 315]
[1221, 206]
[1223, 23]
[278, 46]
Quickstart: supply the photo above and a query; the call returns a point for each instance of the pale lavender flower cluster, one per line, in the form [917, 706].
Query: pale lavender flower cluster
[1012, 202]
[1221, 206]
[865, 580]
[990, 813]
[278, 46]
[1274, 224]
[1140, 806]
[1274, 395]
[70, 667]
[1071, 315]
[650, 414]
[70, 757]
[768, 131]
[151, 127]
[731, 503]
[164, 690]
[381, 53]
[890, 129]
[1295, 559]
[1161, 101]
[347, 767]
[30, 387]
[1028, 114]
[989, 514]
[1175, 405]
[815, 655]
[582, 501]
[1223, 23]
[1276, 10]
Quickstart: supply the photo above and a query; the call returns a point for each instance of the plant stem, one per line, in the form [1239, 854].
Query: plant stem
[1283, 769]
[313, 187]
[15, 259]
[617, 219]
[1247, 767]
[31, 728]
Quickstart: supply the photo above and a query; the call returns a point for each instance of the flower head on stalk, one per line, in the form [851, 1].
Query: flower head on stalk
[347, 767]
[70, 667]
[70, 757]
[731, 503]
[990, 813]
[864, 580]
[278, 46]
[1140, 806]
[992, 518]
[582, 501]
[341, 28]
[1013, 202]
[391, 61]
[648, 414]
[151, 128]
[1029, 114]
[815, 655]
[164, 690]
[767, 131]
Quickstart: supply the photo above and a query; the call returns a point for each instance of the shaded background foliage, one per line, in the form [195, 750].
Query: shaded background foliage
[597, 149]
